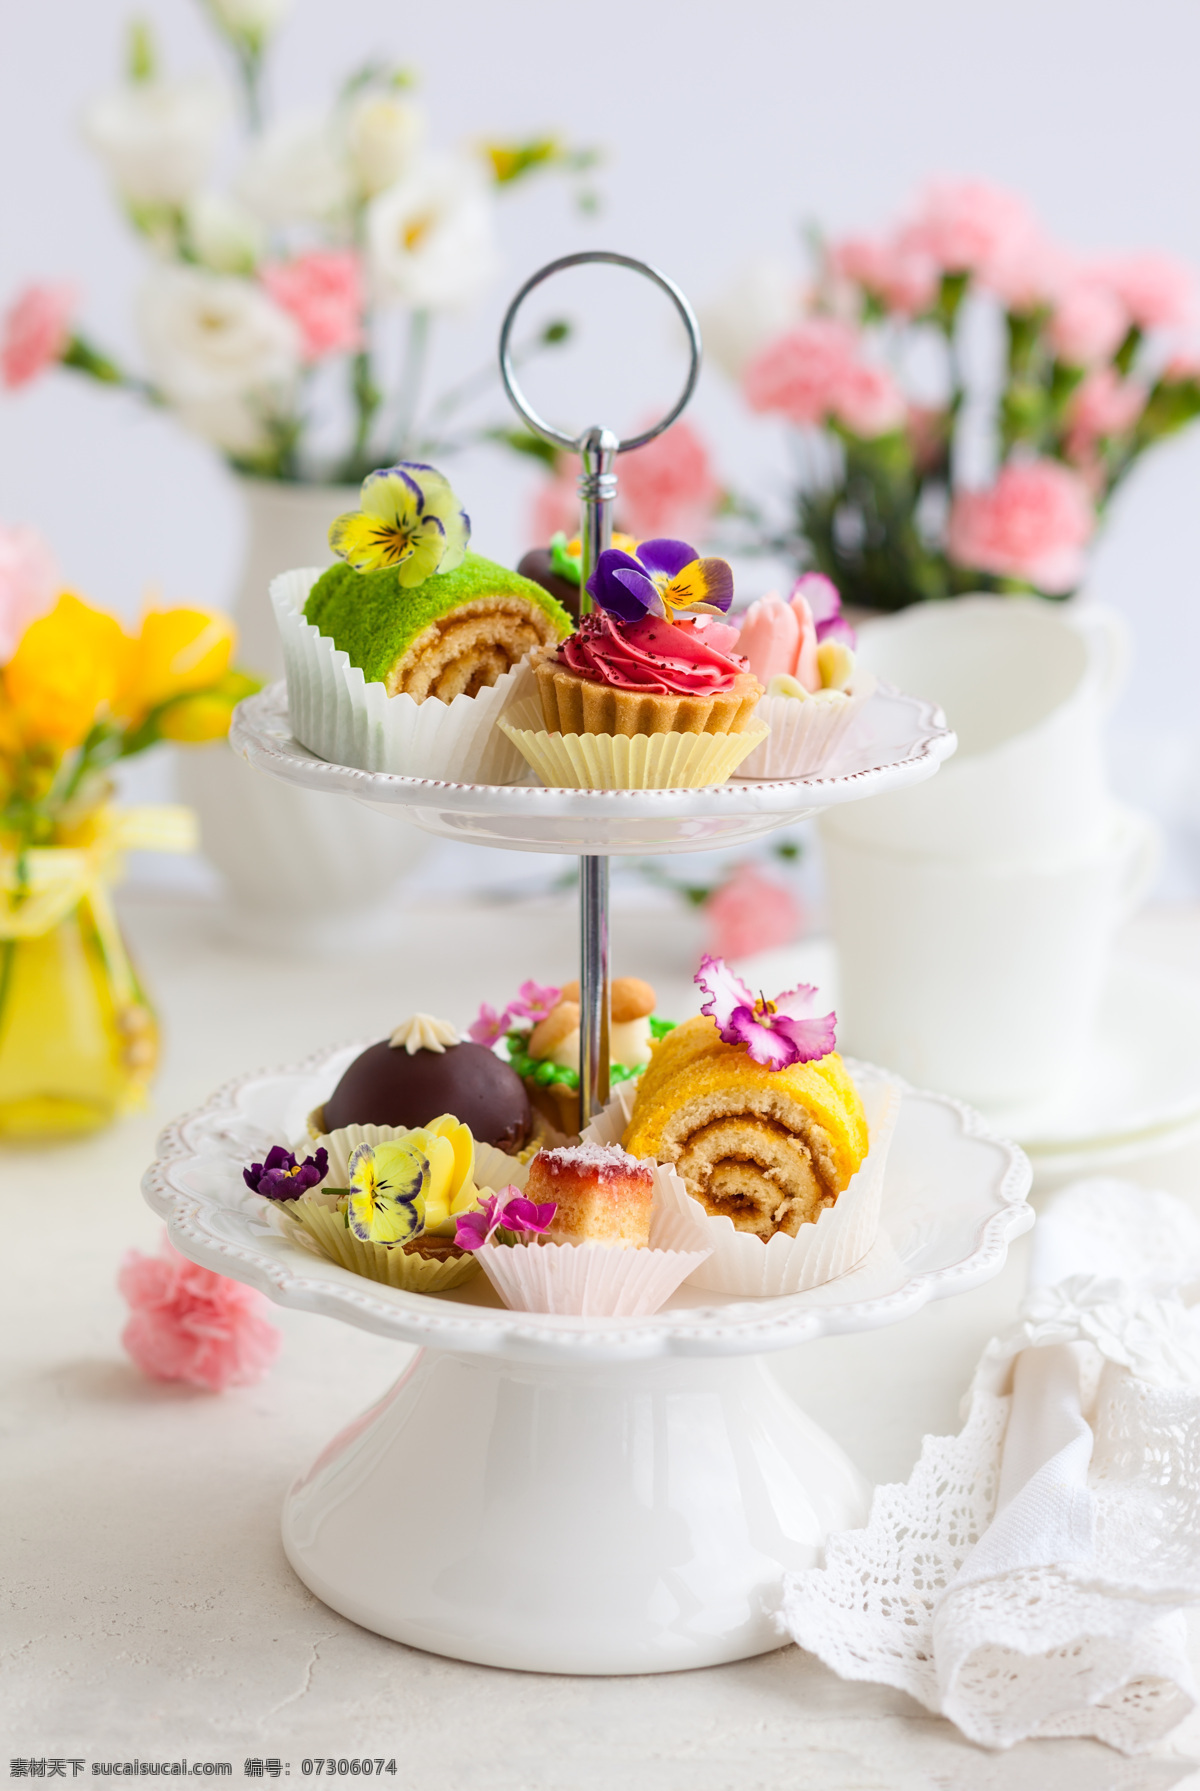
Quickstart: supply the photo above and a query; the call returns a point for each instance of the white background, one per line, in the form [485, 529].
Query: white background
[726, 128]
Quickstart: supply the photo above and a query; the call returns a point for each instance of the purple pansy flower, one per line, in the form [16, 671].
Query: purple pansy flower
[504, 1218]
[776, 1033]
[660, 579]
[825, 602]
[281, 1177]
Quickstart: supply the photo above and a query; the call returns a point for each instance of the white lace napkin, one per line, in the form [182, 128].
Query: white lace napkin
[1028, 1579]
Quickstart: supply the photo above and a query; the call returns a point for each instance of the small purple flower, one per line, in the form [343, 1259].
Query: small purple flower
[824, 601]
[661, 578]
[503, 1218]
[281, 1177]
[776, 1033]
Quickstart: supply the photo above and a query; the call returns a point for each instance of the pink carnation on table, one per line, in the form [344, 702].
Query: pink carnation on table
[964, 225]
[904, 279]
[29, 583]
[1159, 292]
[323, 292]
[1033, 525]
[1101, 406]
[191, 1324]
[36, 332]
[668, 487]
[749, 913]
[1089, 321]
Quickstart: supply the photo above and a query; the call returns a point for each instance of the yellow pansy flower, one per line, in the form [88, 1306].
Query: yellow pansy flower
[410, 519]
[388, 1184]
[451, 1151]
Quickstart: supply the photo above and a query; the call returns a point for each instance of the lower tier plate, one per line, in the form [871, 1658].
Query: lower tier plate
[954, 1195]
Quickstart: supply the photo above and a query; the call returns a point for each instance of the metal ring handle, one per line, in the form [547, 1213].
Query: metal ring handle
[508, 373]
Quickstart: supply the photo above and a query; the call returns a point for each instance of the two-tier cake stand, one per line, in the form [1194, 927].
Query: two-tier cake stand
[568, 1494]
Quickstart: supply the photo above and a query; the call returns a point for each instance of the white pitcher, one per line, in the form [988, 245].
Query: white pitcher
[1026, 685]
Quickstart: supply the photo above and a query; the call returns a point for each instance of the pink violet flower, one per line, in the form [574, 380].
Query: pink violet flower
[1089, 321]
[1158, 292]
[963, 225]
[1033, 525]
[776, 1033]
[668, 487]
[190, 1324]
[903, 279]
[489, 1025]
[824, 601]
[535, 1000]
[816, 371]
[36, 332]
[1101, 406]
[750, 913]
[322, 290]
[508, 1217]
[29, 583]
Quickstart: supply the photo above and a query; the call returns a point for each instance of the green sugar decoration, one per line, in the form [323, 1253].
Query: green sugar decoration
[370, 616]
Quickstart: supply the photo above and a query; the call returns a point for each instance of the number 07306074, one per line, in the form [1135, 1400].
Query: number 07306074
[314, 1768]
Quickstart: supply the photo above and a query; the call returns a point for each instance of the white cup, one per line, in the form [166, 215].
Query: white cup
[1025, 685]
[980, 980]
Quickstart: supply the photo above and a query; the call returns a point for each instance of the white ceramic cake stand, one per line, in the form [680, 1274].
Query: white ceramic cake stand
[580, 1495]
[571, 1495]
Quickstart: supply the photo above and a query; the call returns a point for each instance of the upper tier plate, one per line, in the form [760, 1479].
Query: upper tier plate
[954, 1194]
[896, 740]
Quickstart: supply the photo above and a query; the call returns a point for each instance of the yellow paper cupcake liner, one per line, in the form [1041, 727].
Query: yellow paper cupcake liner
[392, 1266]
[630, 761]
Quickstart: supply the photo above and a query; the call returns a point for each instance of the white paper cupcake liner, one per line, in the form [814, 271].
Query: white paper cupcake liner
[341, 717]
[742, 1263]
[626, 761]
[803, 733]
[591, 1280]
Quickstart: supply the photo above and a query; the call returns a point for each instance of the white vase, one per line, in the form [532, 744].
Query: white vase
[302, 870]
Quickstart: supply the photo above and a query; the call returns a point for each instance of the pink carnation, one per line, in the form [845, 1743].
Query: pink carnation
[322, 290]
[815, 372]
[29, 583]
[749, 913]
[1090, 320]
[668, 487]
[1101, 406]
[1158, 292]
[36, 333]
[1033, 525]
[903, 278]
[965, 225]
[190, 1324]
[1025, 272]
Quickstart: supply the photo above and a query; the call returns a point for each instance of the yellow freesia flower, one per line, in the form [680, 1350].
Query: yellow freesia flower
[410, 519]
[68, 668]
[177, 651]
[207, 714]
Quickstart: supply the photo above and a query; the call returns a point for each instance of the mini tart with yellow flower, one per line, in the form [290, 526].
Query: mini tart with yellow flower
[402, 657]
[395, 1220]
[646, 694]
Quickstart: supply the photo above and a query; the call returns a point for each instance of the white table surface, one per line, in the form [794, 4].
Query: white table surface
[148, 1611]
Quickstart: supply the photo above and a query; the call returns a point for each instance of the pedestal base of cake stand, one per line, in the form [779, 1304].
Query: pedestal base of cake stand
[604, 1518]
